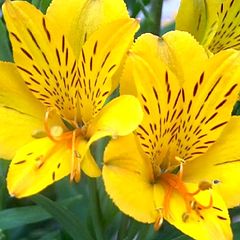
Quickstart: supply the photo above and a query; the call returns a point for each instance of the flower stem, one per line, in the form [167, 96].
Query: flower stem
[156, 12]
[95, 208]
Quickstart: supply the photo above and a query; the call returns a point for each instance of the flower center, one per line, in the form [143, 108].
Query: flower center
[71, 138]
[173, 182]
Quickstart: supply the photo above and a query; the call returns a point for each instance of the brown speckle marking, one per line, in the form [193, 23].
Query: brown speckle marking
[33, 38]
[16, 37]
[63, 43]
[105, 59]
[58, 57]
[46, 30]
[24, 70]
[221, 218]
[230, 90]
[221, 104]
[53, 176]
[95, 48]
[20, 162]
[195, 89]
[218, 126]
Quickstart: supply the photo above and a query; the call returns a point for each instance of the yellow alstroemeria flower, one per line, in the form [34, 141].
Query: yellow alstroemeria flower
[214, 23]
[52, 99]
[182, 164]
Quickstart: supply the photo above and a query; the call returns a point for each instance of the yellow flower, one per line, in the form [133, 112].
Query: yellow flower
[214, 23]
[182, 164]
[52, 99]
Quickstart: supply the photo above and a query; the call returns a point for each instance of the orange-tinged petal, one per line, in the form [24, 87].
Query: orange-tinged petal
[207, 224]
[220, 164]
[43, 57]
[127, 179]
[86, 16]
[100, 58]
[37, 165]
[21, 114]
[118, 118]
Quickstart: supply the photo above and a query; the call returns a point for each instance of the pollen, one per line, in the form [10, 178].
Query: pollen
[56, 131]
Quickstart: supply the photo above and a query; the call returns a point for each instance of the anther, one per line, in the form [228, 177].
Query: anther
[159, 221]
[38, 133]
[56, 131]
[185, 216]
[204, 185]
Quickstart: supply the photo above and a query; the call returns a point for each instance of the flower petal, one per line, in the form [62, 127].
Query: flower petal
[37, 165]
[182, 54]
[211, 223]
[220, 164]
[127, 179]
[43, 57]
[86, 16]
[88, 164]
[118, 118]
[21, 114]
[227, 34]
[100, 58]
[159, 93]
[209, 99]
[201, 19]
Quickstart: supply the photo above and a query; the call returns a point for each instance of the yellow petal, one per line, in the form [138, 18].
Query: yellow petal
[86, 16]
[183, 54]
[127, 179]
[159, 93]
[201, 19]
[211, 223]
[88, 164]
[37, 165]
[43, 57]
[100, 58]
[220, 164]
[118, 118]
[21, 114]
[209, 98]
[227, 34]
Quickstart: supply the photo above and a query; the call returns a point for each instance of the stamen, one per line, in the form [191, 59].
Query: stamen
[47, 129]
[202, 186]
[173, 182]
[181, 161]
[38, 133]
[185, 216]
[55, 133]
[159, 221]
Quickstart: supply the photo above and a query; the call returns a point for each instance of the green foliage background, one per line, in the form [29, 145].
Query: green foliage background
[82, 211]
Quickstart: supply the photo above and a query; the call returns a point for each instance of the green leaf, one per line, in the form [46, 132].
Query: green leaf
[16, 217]
[66, 219]
[5, 51]
[236, 230]
[41, 4]
[236, 108]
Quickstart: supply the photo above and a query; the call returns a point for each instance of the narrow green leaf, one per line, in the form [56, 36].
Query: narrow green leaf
[55, 235]
[16, 217]
[44, 5]
[236, 230]
[5, 51]
[66, 219]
